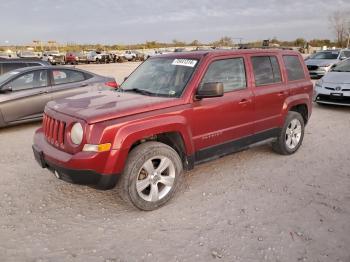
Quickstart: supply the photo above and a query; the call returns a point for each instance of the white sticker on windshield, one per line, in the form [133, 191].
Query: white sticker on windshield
[184, 62]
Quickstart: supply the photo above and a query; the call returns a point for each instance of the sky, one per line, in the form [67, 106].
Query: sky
[137, 21]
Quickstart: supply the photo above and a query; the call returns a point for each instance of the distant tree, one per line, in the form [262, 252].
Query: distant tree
[274, 40]
[224, 41]
[321, 42]
[300, 42]
[178, 43]
[338, 22]
[195, 43]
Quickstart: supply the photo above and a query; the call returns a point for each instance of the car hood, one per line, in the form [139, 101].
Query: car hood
[105, 105]
[321, 62]
[337, 78]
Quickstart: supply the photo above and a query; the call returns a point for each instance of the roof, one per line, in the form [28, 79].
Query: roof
[200, 54]
[29, 68]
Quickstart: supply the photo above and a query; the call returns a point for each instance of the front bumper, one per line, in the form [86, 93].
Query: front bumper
[332, 100]
[325, 95]
[78, 169]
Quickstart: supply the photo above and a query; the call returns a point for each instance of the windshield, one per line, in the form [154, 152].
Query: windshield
[161, 77]
[325, 55]
[342, 66]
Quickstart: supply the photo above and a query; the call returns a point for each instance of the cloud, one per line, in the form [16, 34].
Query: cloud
[109, 21]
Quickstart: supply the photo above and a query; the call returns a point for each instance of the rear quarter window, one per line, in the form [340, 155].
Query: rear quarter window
[294, 68]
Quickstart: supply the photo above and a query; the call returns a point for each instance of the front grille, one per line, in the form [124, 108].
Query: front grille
[312, 67]
[54, 131]
[334, 99]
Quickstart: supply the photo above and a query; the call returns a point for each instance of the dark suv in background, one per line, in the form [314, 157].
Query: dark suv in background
[7, 65]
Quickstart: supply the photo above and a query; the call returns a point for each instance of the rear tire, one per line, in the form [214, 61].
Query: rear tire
[291, 136]
[153, 173]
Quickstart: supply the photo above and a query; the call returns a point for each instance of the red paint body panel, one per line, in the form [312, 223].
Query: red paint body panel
[125, 118]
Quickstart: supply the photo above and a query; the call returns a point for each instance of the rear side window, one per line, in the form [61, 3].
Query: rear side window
[266, 70]
[67, 76]
[294, 68]
[231, 72]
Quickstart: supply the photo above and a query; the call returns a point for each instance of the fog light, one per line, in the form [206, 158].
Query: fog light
[97, 148]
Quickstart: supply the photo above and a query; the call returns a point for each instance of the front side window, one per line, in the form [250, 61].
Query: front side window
[266, 70]
[29, 80]
[64, 76]
[294, 68]
[230, 72]
[166, 77]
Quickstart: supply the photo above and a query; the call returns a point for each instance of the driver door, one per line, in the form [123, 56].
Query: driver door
[218, 123]
[28, 97]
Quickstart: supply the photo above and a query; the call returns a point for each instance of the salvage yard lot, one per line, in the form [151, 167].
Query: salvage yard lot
[251, 206]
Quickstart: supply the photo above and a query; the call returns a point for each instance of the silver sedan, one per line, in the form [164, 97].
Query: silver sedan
[334, 87]
[24, 92]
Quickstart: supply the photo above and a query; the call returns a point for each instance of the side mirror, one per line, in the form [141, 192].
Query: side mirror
[6, 89]
[125, 78]
[208, 90]
[342, 57]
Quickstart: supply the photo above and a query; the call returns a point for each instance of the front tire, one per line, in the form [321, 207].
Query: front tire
[291, 136]
[152, 175]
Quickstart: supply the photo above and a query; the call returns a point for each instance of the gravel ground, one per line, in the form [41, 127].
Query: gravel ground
[250, 206]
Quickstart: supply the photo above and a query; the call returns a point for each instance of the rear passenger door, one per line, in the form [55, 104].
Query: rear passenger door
[269, 90]
[67, 82]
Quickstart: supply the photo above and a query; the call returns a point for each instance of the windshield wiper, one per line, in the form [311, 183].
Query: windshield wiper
[139, 91]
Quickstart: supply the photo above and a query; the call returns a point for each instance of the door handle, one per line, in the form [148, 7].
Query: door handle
[244, 101]
[282, 93]
[83, 85]
[43, 92]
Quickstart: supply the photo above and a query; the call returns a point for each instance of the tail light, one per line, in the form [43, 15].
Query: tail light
[112, 84]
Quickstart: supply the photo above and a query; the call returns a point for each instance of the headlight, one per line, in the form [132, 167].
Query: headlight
[76, 134]
[319, 83]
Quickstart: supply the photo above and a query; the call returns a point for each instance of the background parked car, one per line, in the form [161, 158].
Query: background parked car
[99, 57]
[334, 87]
[130, 55]
[140, 56]
[74, 58]
[320, 62]
[54, 57]
[27, 54]
[24, 92]
[7, 65]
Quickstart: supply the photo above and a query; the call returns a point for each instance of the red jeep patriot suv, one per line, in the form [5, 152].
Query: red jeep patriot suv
[172, 112]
